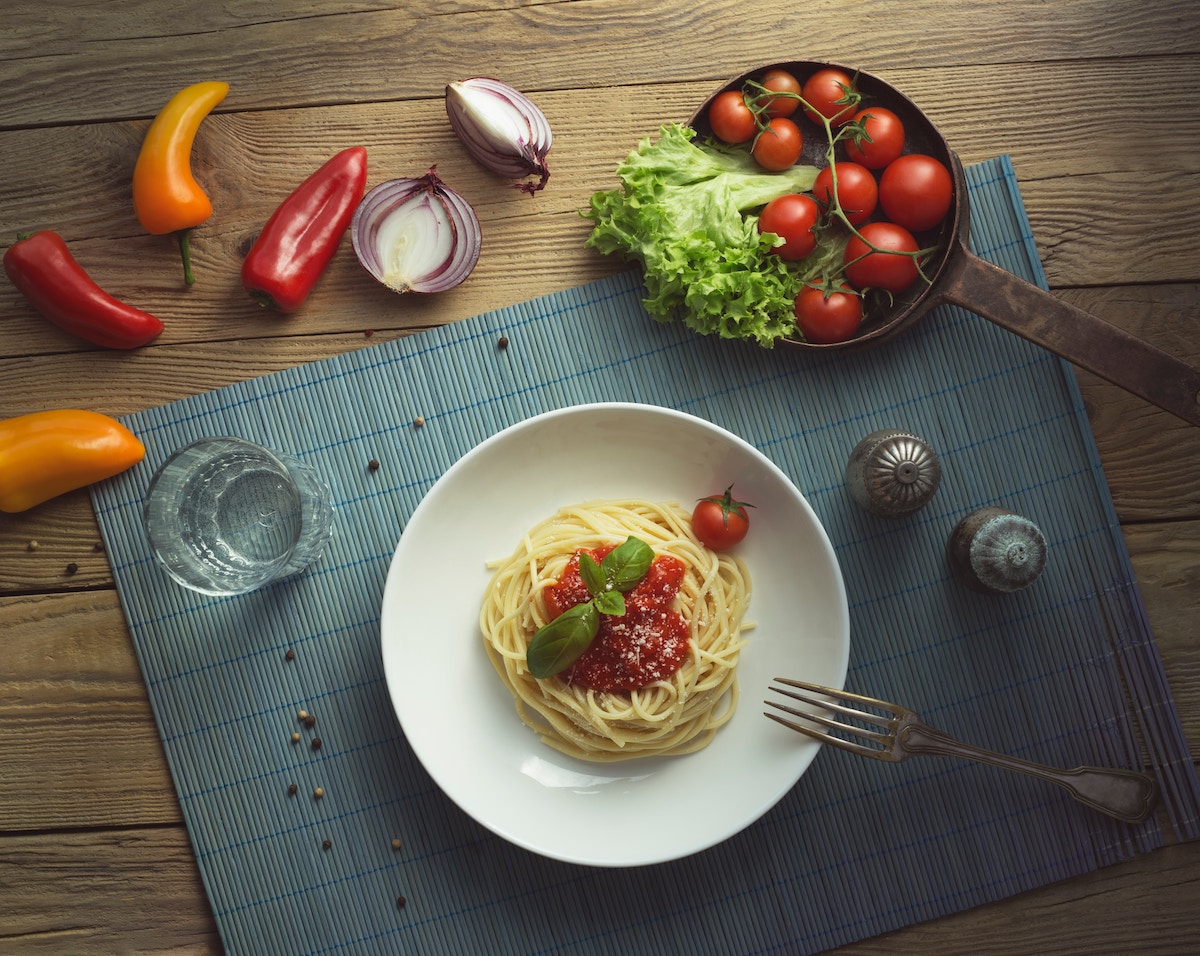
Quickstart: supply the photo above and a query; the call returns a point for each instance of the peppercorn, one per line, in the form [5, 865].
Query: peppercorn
[503, 343]
[418, 421]
[309, 720]
[318, 793]
[301, 714]
[316, 744]
[326, 844]
[295, 738]
[98, 546]
[396, 844]
[33, 545]
[292, 788]
[290, 655]
[72, 568]
[401, 902]
[373, 464]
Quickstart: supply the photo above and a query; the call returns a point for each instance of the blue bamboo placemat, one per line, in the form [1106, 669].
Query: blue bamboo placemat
[1065, 673]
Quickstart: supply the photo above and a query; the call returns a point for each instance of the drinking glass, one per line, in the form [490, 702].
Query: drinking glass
[226, 516]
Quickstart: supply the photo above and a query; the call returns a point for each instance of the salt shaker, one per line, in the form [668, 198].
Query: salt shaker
[893, 473]
[996, 551]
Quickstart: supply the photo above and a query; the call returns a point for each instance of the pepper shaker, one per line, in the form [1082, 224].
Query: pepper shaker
[995, 551]
[893, 473]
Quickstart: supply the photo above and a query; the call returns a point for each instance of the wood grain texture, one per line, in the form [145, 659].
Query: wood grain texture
[127, 890]
[1093, 100]
[297, 56]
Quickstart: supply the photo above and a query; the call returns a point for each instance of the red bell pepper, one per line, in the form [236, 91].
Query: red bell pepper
[45, 272]
[299, 240]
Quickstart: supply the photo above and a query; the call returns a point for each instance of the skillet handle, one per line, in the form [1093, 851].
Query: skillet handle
[1078, 336]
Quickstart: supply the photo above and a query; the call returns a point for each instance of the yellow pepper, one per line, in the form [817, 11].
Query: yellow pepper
[166, 196]
[46, 454]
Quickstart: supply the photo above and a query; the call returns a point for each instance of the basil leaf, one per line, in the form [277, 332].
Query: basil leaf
[610, 602]
[556, 646]
[593, 577]
[625, 565]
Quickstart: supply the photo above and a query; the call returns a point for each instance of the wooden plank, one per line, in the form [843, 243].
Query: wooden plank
[1150, 458]
[1166, 559]
[80, 747]
[138, 55]
[129, 890]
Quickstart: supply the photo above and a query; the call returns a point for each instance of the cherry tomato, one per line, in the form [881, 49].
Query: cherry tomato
[719, 521]
[831, 93]
[886, 138]
[856, 188]
[825, 319]
[916, 191]
[780, 81]
[792, 218]
[731, 119]
[778, 146]
[888, 268]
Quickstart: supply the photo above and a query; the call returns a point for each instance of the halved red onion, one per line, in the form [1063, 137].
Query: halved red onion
[416, 235]
[502, 128]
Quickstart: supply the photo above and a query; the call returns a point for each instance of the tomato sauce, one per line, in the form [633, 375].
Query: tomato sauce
[649, 643]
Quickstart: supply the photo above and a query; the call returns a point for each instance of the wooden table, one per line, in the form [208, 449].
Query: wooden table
[1097, 102]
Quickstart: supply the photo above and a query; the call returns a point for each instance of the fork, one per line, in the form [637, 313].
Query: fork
[1125, 794]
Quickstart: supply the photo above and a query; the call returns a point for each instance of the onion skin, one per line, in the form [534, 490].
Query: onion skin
[416, 235]
[502, 129]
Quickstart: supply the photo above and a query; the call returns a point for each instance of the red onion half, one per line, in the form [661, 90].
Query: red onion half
[502, 128]
[416, 235]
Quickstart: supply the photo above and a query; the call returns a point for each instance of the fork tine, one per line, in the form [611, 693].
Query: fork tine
[883, 740]
[830, 704]
[843, 695]
[820, 735]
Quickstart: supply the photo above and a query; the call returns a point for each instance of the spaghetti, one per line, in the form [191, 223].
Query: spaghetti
[676, 713]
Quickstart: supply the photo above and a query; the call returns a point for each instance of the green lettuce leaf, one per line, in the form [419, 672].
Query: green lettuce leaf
[680, 214]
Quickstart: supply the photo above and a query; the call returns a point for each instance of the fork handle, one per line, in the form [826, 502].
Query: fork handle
[1125, 794]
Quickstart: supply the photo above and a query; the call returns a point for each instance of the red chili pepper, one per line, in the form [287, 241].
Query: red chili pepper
[298, 241]
[45, 272]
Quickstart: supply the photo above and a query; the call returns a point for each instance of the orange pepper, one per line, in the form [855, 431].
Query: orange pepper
[46, 454]
[166, 196]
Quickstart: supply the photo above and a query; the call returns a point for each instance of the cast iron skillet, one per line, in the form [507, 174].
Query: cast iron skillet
[959, 277]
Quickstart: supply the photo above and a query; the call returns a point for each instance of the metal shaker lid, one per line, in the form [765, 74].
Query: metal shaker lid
[893, 473]
[996, 551]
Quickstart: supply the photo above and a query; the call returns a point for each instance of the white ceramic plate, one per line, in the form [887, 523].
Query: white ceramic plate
[458, 716]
